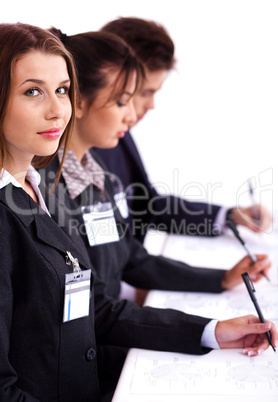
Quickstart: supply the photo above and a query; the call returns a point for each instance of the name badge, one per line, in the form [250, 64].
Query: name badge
[120, 201]
[100, 224]
[77, 292]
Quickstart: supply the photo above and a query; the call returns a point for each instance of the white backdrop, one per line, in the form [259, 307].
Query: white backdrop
[215, 123]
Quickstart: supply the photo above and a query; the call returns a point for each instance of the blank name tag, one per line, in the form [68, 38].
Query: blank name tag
[100, 224]
[77, 295]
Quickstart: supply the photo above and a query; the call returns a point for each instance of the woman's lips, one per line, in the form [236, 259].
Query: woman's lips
[52, 133]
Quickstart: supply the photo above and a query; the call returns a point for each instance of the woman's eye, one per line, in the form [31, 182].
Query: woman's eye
[63, 90]
[123, 101]
[121, 104]
[33, 92]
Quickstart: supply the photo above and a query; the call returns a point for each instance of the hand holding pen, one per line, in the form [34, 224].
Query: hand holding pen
[246, 332]
[237, 235]
[244, 216]
[251, 290]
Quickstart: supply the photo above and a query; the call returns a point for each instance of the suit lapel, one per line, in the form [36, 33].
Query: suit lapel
[50, 233]
[47, 230]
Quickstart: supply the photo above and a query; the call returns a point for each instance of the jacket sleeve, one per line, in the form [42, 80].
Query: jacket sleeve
[157, 272]
[125, 324]
[179, 216]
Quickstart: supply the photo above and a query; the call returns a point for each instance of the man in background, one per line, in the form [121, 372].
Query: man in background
[146, 207]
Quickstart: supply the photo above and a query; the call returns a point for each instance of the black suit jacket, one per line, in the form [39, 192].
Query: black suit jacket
[124, 324]
[126, 259]
[146, 206]
[42, 358]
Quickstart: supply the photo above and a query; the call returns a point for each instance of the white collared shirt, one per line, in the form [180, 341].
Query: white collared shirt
[33, 178]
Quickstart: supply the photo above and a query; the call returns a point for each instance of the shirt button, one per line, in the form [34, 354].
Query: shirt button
[90, 354]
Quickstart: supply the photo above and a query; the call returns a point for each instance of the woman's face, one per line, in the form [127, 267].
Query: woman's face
[39, 107]
[102, 124]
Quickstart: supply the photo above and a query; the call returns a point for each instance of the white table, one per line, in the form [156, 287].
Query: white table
[152, 376]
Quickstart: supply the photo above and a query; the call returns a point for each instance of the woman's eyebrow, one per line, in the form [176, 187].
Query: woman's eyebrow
[41, 82]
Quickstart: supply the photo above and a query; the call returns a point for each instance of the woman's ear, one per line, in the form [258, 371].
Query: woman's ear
[79, 107]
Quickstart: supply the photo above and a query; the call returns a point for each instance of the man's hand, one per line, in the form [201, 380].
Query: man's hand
[245, 217]
[233, 277]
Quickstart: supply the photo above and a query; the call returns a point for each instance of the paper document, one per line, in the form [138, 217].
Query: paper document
[228, 304]
[218, 373]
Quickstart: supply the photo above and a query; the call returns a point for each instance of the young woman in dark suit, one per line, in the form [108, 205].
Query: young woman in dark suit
[108, 76]
[47, 350]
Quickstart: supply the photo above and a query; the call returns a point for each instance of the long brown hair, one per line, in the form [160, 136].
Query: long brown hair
[96, 55]
[16, 40]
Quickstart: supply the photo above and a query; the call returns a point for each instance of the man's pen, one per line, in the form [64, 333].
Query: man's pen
[256, 212]
[236, 233]
[251, 290]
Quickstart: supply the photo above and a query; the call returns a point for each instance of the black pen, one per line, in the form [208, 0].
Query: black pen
[251, 290]
[254, 206]
[236, 233]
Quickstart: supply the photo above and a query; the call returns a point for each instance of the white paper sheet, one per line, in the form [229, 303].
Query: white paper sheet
[228, 304]
[222, 251]
[221, 375]
[218, 373]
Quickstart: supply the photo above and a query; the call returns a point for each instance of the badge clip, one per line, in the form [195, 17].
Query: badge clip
[74, 261]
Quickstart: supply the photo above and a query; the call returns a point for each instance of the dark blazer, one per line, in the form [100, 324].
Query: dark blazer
[127, 259]
[127, 324]
[124, 324]
[146, 206]
[42, 358]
